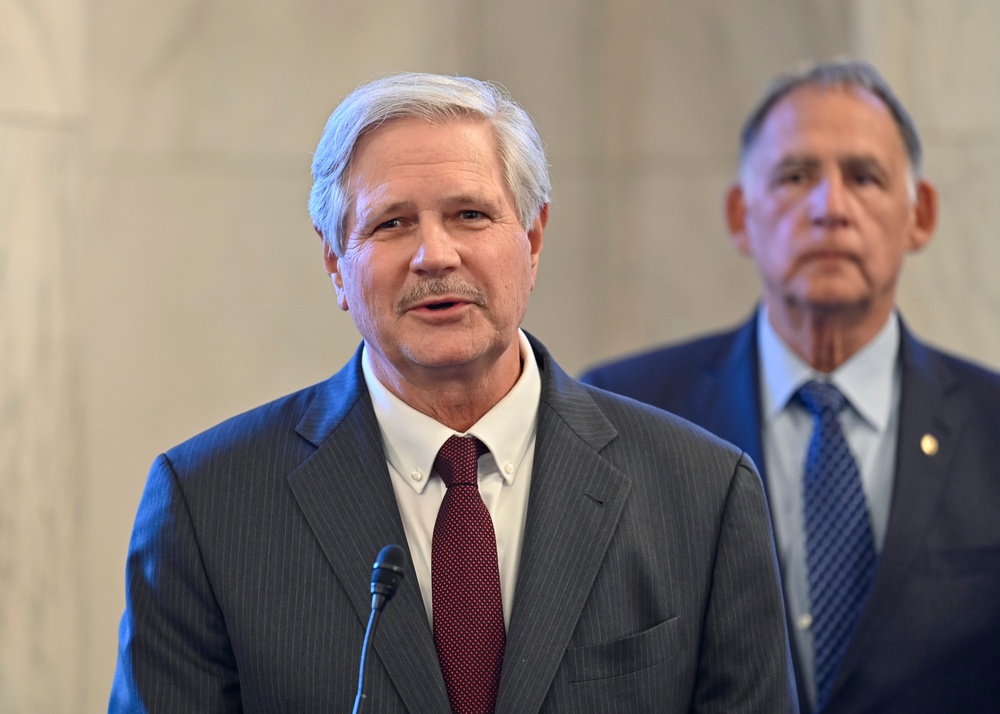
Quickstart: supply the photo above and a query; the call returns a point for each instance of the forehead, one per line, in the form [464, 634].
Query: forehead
[816, 121]
[418, 149]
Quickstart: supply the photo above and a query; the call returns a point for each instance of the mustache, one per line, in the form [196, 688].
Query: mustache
[452, 286]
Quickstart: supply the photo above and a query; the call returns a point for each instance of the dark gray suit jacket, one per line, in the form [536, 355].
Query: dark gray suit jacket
[647, 581]
[929, 638]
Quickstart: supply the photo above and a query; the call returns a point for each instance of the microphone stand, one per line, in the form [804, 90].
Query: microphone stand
[366, 653]
[388, 571]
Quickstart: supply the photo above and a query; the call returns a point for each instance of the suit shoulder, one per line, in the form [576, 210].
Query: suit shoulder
[980, 383]
[670, 459]
[650, 372]
[973, 373]
[247, 436]
[646, 424]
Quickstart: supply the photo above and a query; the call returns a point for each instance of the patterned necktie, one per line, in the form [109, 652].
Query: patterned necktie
[465, 584]
[841, 550]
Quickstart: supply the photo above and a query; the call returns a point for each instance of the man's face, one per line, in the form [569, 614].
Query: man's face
[436, 269]
[826, 207]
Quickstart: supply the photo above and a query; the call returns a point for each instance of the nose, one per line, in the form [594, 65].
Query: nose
[829, 202]
[437, 251]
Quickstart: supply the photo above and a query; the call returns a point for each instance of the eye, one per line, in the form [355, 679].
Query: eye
[472, 215]
[866, 178]
[792, 177]
[388, 225]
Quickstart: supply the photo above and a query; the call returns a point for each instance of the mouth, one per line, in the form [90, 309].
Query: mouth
[827, 255]
[440, 297]
[436, 306]
[439, 304]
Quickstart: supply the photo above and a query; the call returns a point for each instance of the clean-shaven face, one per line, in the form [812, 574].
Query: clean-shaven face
[828, 200]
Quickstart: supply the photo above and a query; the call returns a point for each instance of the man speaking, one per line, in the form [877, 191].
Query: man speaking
[572, 551]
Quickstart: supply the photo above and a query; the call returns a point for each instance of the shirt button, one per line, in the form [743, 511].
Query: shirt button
[416, 475]
[508, 468]
[804, 622]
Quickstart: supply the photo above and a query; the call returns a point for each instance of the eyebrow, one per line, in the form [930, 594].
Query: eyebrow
[374, 214]
[866, 161]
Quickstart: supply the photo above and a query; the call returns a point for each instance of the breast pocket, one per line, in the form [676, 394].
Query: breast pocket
[630, 654]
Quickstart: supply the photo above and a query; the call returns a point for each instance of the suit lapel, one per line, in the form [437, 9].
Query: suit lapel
[929, 405]
[573, 510]
[347, 498]
[575, 502]
[728, 401]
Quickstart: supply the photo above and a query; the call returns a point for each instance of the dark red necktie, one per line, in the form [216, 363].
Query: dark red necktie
[465, 584]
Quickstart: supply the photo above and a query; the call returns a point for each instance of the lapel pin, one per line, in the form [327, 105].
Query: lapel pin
[929, 444]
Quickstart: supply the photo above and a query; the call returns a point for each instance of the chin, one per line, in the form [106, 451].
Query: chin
[445, 355]
[834, 302]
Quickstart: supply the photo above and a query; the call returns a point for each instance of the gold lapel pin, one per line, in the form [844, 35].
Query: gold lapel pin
[929, 444]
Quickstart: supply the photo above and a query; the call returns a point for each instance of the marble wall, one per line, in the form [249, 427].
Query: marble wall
[42, 479]
[158, 271]
[944, 64]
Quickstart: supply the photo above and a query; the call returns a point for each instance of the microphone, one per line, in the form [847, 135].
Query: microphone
[387, 573]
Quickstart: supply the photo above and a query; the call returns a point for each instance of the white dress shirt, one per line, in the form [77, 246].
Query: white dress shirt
[412, 440]
[870, 380]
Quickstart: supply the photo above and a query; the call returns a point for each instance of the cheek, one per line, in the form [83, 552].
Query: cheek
[521, 284]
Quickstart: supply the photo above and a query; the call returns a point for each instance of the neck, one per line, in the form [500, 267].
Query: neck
[457, 397]
[825, 337]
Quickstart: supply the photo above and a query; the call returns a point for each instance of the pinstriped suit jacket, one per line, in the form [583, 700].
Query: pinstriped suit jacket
[929, 636]
[647, 581]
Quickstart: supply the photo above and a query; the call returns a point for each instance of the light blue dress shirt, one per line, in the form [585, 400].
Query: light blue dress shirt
[870, 380]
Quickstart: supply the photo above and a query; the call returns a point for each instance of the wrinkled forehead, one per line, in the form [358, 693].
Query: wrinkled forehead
[412, 161]
[407, 140]
[813, 120]
[836, 125]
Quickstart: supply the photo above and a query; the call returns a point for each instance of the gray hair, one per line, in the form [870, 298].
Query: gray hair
[841, 72]
[435, 98]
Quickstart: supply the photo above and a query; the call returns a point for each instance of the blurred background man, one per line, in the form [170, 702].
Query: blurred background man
[879, 453]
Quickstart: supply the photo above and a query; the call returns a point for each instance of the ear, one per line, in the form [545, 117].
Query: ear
[535, 240]
[925, 216]
[332, 263]
[736, 217]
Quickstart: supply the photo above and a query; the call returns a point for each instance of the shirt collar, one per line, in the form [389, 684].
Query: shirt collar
[866, 379]
[412, 439]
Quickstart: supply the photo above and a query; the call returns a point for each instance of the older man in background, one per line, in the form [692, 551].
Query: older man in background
[880, 455]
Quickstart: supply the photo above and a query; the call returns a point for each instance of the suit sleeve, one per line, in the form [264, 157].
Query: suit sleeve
[174, 654]
[745, 665]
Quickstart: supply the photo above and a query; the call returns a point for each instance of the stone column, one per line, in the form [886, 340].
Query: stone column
[40, 430]
[943, 61]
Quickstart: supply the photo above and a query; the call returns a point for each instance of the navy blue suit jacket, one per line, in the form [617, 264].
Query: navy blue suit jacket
[929, 638]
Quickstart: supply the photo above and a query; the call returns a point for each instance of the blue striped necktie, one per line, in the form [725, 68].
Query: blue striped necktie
[840, 547]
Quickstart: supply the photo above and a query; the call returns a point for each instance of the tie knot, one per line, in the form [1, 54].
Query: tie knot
[821, 398]
[458, 460]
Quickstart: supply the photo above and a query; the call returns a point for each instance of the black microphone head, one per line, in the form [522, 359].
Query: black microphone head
[389, 569]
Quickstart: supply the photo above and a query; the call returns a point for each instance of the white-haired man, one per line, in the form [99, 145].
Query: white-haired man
[571, 551]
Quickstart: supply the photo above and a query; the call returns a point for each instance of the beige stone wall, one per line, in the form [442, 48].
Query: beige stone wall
[158, 271]
[42, 599]
[945, 63]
